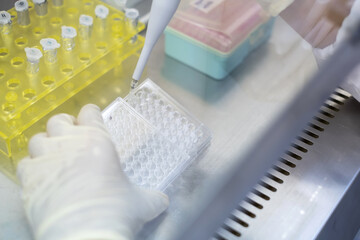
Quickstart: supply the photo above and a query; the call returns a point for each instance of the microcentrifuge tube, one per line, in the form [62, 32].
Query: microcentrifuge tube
[85, 28]
[101, 13]
[33, 56]
[41, 7]
[50, 47]
[22, 9]
[132, 19]
[5, 23]
[58, 3]
[68, 35]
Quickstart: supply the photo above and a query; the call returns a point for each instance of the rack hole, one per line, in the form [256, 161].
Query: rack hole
[311, 134]
[288, 163]
[304, 140]
[4, 52]
[8, 107]
[84, 57]
[231, 230]
[29, 94]
[255, 204]
[55, 21]
[116, 17]
[282, 171]
[323, 121]
[293, 155]
[67, 69]
[2, 73]
[316, 127]
[38, 30]
[260, 194]
[300, 148]
[87, 3]
[17, 61]
[21, 41]
[267, 186]
[13, 83]
[48, 80]
[239, 221]
[101, 46]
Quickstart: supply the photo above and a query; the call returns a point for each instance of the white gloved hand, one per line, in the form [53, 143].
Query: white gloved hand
[348, 27]
[73, 187]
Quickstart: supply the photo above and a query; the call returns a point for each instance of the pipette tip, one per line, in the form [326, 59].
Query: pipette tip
[134, 83]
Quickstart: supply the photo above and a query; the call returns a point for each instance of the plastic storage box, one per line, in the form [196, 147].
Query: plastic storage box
[26, 98]
[156, 138]
[215, 36]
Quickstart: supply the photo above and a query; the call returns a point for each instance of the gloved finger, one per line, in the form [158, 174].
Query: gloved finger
[156, 203]
[59, 125]
[37, 144]
[90, 115]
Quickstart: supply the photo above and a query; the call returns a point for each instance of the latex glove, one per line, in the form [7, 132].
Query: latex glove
[352, 83]
[73, 187]
[317, 21]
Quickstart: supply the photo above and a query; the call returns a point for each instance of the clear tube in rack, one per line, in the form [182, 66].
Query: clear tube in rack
[5, 23]
[101, 13]
[85, 28]
[58, 3]
[41, 7]
[50, 47]
[132, 20]
[22, 9]
[68, 35]
[33, 56]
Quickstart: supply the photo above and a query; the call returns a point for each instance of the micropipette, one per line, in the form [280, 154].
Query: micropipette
[160, 15]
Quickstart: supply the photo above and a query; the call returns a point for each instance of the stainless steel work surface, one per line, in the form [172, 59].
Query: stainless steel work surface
[315, 174]
[237, 110]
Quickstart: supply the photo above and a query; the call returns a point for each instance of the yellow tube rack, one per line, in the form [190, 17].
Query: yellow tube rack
[26, 100]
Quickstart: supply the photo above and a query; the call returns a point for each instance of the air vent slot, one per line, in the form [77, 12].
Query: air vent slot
[306, 141]
[288, 163]
[267, 186]
[273, 180]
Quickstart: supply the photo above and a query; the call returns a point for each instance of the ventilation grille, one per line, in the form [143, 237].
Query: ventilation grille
[247, 211]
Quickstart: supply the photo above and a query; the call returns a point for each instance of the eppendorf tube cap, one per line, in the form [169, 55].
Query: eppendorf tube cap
[68, 32]
[49, 44]
[21, 5]
[133, 15]
[101, 11]
[33, 54]
[5, 18]
[86, 20]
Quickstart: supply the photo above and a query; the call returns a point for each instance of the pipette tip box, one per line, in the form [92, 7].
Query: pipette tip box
[215, 41]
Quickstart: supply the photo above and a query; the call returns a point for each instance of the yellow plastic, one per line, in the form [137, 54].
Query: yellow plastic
[27, 100]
